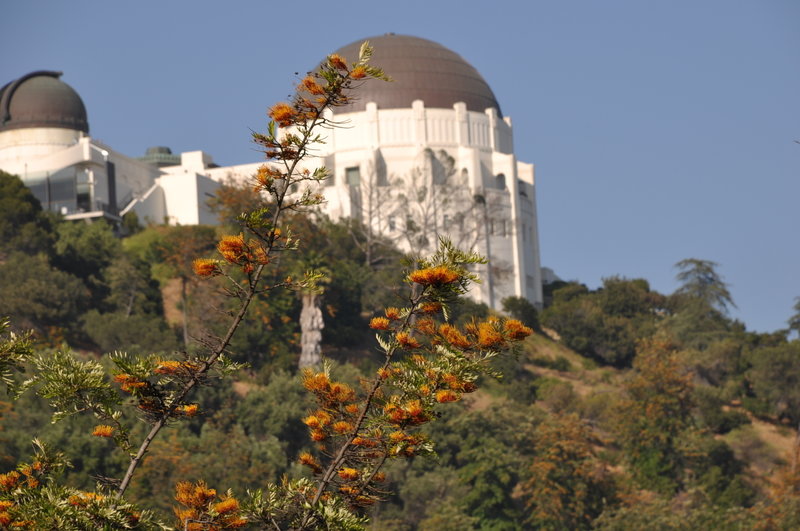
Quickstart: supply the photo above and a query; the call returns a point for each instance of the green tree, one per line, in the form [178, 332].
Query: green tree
[775, 379]
[794, 320]
[23, 225]
[85, 250]
[654, 418]
[701, 282]
[566, 487]
[40, 296]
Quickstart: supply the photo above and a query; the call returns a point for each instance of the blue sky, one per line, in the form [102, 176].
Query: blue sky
[659, 130]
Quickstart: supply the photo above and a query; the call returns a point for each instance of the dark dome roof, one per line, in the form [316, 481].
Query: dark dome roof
[421, 70]
[40, 99]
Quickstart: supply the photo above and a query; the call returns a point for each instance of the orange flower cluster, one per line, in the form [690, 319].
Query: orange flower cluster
[31, 472]
[431, 307]
[453, 336]
[173, 366]
[205, 267]
[266, 175]
[310, 461]
[331, 394]
[228, 505]
[103, 431]
[201, 505]
[365, 442]
[232, 248]
[392, 313]
[190, 410]
[235, 251]
[489, 336]
[379, 323]
[515, 330]
[10, 480]
[404, 443]
[128, 382]
[407, 341]
[310, 85]
[411, 414]
[359, 72]
[284, 114]
[348, 474]
[337, 61]
[426, 326]
[446, 395]
[341, 427]
[434, 276]
[84, 498]
[338, 409]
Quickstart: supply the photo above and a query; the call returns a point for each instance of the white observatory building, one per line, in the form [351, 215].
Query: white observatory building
[429, 154]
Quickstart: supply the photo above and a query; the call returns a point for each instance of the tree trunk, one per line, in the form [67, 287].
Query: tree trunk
[311, 325]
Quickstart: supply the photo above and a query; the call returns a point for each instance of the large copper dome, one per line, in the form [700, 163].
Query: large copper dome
[421, 70]
[40, 99]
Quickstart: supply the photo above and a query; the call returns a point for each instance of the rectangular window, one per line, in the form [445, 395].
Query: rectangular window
[352, 176]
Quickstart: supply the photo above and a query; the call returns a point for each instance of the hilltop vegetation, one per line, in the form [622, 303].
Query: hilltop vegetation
[648, 411]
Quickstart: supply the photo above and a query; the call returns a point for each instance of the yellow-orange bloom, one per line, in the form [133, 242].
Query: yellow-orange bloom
[9, 481]
[228, 505]
[312, 422]
[283, 113]
[341, 392]
[446, 395]
[348, 474]
[337, 61]
[190, 410]
[194, 495]
[379, 323]
[311, 85]
[353, 409]
[5, 504]
[392, 313]
[406, 340]
[361, 441]
[5, 518]
[431, 307]
[359, 72]
[342, 427]
[232, 248]
[414, 409]
[103, 431]
[205, 267]
[489, 336]
[168, 367]
[426, 326]
[316, 382]
[451, 334]
[397, 436]
[309, 460]
[383, 373]
[516, 330]
[318, 436]
[434, 276]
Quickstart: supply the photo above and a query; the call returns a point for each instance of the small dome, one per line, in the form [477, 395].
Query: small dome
[421, 70]
[40, 99]
[160, 156]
